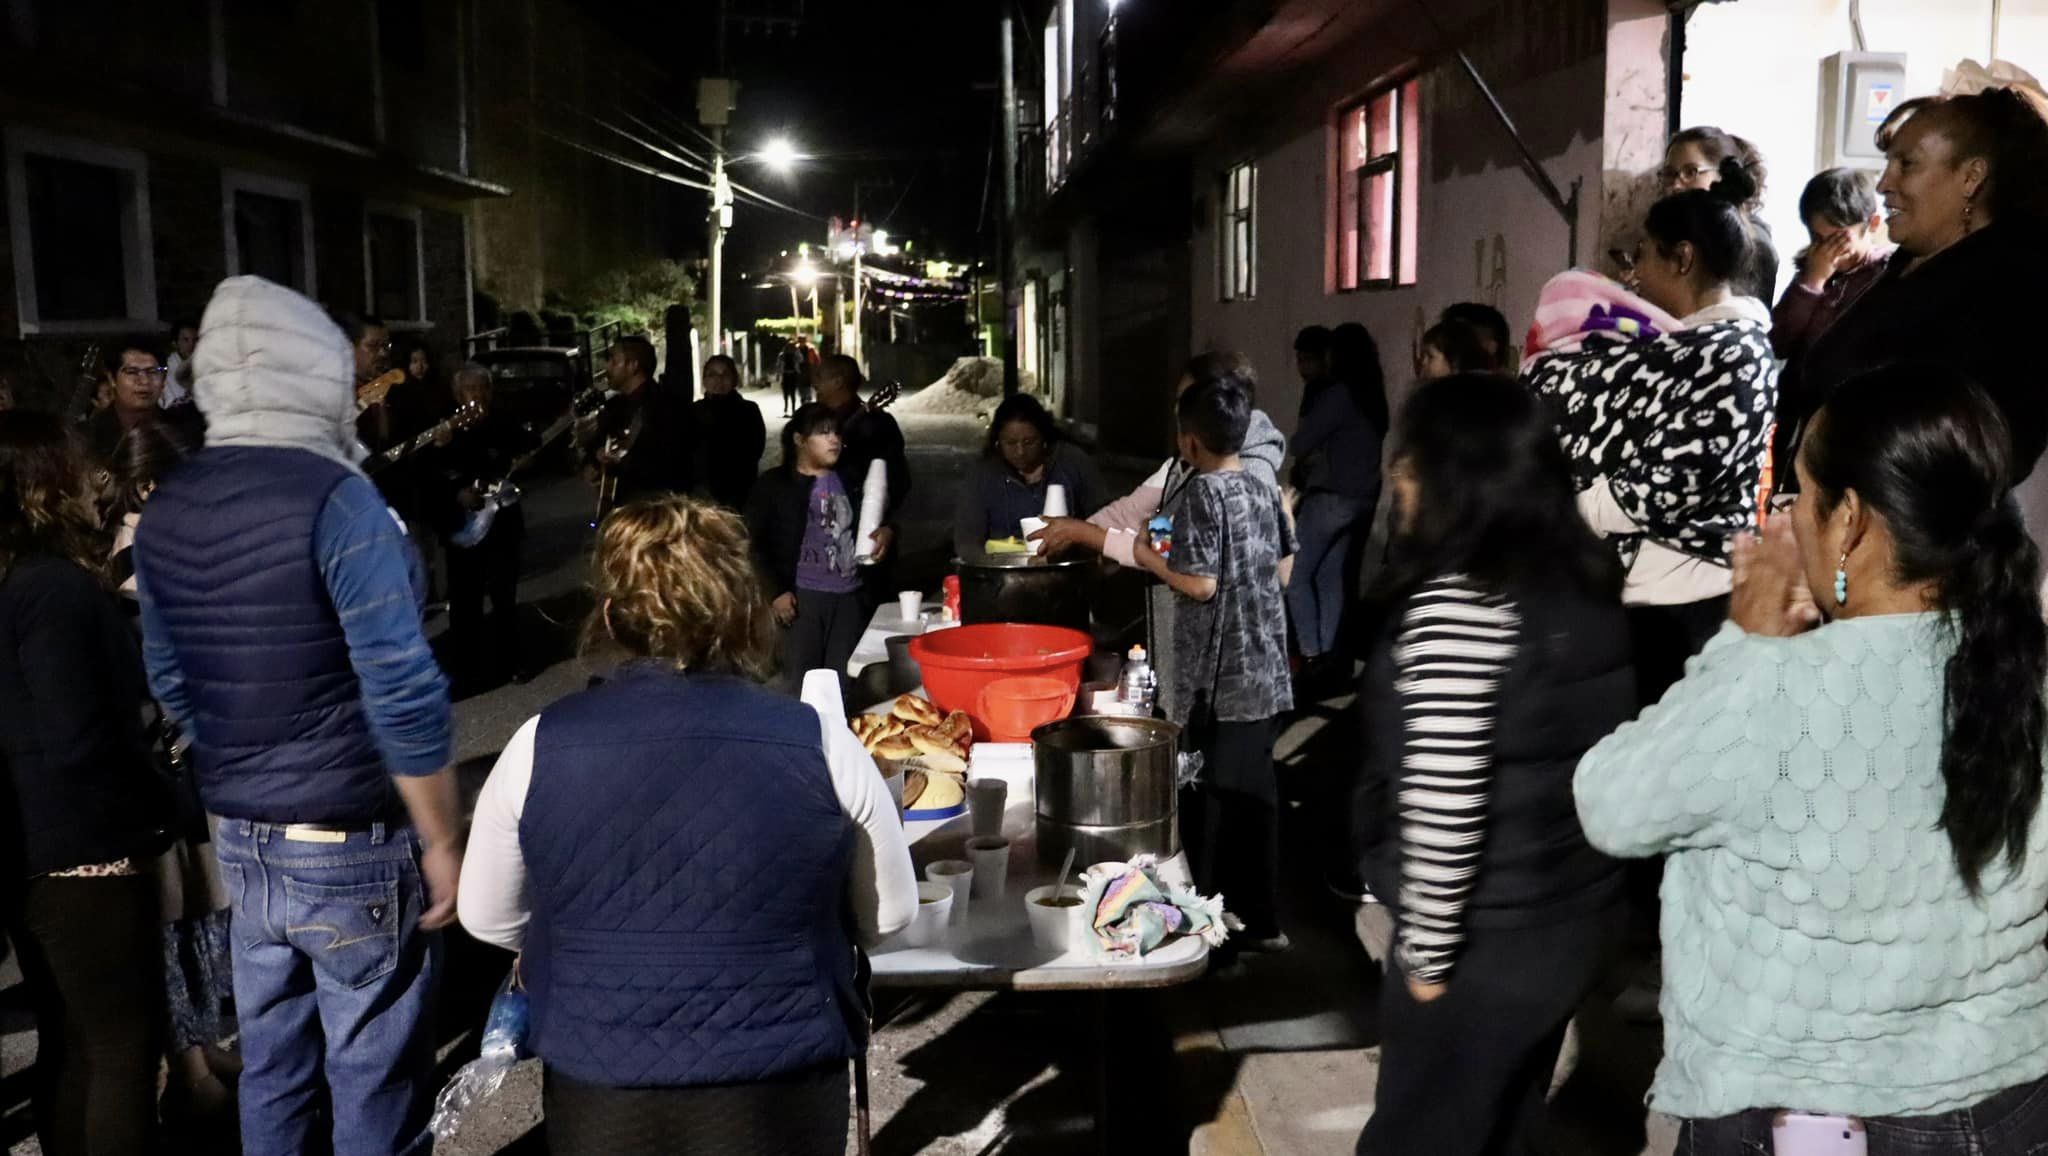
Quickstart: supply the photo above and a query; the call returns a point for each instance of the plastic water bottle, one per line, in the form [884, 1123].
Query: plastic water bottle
[1138, 686]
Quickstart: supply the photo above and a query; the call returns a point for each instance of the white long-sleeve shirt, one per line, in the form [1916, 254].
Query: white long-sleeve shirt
[883, 885]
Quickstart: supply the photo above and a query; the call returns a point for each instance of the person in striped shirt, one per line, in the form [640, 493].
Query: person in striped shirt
[1504, 660]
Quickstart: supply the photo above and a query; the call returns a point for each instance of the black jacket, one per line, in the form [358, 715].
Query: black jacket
[776, 513]
[661, 459]
[1968, 306]
[80, 784]
[730, 439]
[1570, 683]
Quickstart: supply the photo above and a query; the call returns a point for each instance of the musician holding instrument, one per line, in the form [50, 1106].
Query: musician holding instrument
[471, 466]
[642, 443]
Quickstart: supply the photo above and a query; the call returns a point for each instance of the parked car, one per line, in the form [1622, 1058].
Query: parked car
[542, 387]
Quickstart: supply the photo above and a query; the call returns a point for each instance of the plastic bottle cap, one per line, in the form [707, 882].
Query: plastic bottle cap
[1137, 654]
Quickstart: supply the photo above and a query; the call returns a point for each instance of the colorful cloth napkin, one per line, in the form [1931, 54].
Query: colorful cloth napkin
[1137, 910]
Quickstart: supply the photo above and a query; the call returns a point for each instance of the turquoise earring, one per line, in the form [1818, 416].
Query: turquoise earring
[1842, 580]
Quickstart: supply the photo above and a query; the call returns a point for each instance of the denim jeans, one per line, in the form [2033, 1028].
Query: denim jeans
[334, 985]
[2009, 1123]
[1316, 594]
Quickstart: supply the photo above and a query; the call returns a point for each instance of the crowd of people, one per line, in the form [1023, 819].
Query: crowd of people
[1692, 614]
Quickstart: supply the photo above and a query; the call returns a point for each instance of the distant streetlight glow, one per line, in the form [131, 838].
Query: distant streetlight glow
[779, 155]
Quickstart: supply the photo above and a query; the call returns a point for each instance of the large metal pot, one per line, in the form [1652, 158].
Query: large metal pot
[1025, 588]
[1106, 788]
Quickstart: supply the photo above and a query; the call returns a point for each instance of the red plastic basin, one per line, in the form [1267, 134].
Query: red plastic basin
[959, 662]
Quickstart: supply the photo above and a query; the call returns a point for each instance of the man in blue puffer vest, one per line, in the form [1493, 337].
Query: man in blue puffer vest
[281, 627]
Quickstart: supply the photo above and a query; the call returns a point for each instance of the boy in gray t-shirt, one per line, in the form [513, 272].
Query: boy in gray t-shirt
[1230, 656]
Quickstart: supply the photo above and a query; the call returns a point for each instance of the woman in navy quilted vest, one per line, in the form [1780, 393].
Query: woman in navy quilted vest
[687, 864]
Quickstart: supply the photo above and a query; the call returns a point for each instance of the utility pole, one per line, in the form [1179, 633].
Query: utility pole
[714, 109]
[1005, 239]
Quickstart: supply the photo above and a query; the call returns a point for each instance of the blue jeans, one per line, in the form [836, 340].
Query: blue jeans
[2009, 1123]
[1317, 594]
[334, 986]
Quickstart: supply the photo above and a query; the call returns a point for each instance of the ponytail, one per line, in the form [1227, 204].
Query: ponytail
[1929, 452]
[1991, 752]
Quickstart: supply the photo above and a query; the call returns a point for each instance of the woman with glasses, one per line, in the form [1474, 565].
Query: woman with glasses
[1025, 455]
[1695, 159]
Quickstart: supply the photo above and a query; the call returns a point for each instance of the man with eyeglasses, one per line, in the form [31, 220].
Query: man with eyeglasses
[132, 381]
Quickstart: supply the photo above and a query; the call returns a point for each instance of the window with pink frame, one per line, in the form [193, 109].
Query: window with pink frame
[1378, 171]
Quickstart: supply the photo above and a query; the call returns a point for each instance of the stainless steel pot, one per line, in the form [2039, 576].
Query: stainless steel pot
[1106, 788]
[1025, 588]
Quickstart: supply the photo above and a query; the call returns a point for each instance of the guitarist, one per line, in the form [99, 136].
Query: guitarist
[867, 435]
[642, 438]
[462, 467]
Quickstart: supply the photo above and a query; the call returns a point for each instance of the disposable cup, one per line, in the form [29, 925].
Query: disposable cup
[934, 908]
[991, 855]
[910, 605]
[957, 875]
[1055, 501]
[1028, 527]
[1059, 929]
[986, 798]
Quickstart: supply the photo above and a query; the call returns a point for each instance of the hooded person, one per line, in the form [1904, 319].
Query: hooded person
[281, 632]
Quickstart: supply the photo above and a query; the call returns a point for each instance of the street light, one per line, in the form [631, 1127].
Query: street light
[805, 274]
[779, 156]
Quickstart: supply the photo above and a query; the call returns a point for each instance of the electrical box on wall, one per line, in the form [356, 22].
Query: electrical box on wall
[1858, 90]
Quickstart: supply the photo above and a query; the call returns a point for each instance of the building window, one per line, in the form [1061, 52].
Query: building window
[1239, 233]
[1378, 154]
[269, 228]
[79, 222]
[394, 264]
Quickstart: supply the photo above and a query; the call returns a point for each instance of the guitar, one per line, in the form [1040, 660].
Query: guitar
[504, 492]
[884, 397]
[467, 414]
[374, 391]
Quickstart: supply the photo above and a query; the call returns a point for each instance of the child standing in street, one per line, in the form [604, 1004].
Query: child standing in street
[802, 520]
[1230, 543]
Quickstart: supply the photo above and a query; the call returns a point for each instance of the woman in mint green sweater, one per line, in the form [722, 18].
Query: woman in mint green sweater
[1856, 897]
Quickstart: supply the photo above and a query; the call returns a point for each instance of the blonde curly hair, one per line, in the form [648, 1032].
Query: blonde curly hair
[675, 581]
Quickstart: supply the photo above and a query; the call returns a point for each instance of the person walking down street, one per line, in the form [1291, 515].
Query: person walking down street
[1702, 157]
[1668, 434]
[1505, 660]
[731, 435]
[1968, 208]
[694, 989]
[1340, 442]
[1847, 256]
[1025, 454]
[1849, 793]
[1230, 543]
[867, 435]
[802, 520]
[85, 811]
[282, 633]
[791, 367]
[1115, 530]
[473, 476]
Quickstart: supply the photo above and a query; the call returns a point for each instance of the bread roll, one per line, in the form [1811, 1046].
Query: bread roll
[895, 747]
[942, 791]
[913, 709]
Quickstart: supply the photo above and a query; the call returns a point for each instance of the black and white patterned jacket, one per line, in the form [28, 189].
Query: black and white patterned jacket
[1677, 426]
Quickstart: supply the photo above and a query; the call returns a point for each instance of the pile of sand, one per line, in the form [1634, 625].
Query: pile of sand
[973, 387]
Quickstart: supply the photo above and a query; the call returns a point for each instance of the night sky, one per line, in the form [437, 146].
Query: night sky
[863, 89]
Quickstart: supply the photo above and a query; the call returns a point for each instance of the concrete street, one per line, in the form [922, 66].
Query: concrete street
[1276, 1057]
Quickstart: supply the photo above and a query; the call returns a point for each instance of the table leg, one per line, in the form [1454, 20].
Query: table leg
[1098, 1018]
